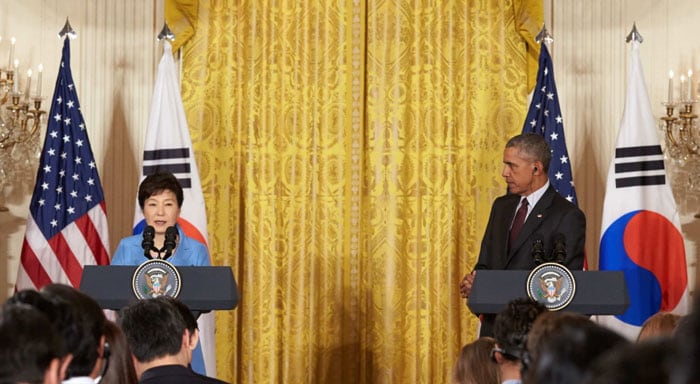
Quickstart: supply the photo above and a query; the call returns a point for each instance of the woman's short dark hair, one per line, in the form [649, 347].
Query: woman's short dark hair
[158, 182]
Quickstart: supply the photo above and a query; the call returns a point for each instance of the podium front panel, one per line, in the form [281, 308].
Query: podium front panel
[597, 292]
[203, 288]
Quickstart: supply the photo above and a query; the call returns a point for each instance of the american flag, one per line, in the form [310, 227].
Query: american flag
[544, 117]
[67, 224]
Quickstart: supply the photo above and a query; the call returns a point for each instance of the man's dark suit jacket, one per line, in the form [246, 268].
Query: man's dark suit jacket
[175, 374]
[552, 216]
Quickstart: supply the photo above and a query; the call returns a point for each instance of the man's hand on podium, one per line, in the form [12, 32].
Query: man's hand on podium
[465, 286]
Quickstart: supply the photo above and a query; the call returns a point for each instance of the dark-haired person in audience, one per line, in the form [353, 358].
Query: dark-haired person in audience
[687, 337]
[549, 323]
[652, 361]
[187, 315]
[474, 364]
[160, 342]
[510, 330]
[566, 356]
[80, 323]
[160, 197]
[29, 347]
[83, 332]
[508, 241]
[121, 365]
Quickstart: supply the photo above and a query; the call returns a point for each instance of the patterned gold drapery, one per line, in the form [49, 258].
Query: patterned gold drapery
[349, 153]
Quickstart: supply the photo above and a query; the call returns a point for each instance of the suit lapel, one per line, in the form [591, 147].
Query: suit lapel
[506, 217]
[534, 220]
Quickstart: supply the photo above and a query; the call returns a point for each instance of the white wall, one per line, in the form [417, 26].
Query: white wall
[590, 62]
[113, 62]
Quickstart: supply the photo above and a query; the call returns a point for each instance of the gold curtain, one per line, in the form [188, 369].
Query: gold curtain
[349, 153]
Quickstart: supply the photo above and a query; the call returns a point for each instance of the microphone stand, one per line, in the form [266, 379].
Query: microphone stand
[538, 251]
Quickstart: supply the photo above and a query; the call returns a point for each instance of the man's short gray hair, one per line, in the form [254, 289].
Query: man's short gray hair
[533, 146]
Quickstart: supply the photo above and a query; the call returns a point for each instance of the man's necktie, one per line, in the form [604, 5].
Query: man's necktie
[518, 222]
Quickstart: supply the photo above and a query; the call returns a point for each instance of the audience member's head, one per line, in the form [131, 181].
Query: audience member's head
[510, 330]
[512, 325]
[156, 332]
[548, 324]
[185, 312]
[29, 346]
[188, 317]
[81, 323]
[121, 365]
[687, 337]
[661, 324]
[474, 365]
[564, 356]
[652, 361]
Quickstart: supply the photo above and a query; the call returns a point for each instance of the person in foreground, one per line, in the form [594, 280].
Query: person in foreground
[160, 198]
[79, 321]
[121, 364]
[29, 347]
[567, 355]
[532, 211]
[160, 342]
[511, 330]
[474, 365]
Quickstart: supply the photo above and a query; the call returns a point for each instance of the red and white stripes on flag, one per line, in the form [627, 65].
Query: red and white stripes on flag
[67, 224]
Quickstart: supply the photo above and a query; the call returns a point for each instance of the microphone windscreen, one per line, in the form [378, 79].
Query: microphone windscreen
[149, 232]
[171, 232]
[147, 243]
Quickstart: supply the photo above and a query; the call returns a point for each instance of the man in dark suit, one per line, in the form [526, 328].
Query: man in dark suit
[531, 212]
[161, 337]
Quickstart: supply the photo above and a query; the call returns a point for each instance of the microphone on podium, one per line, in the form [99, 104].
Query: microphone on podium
[559, 251]
[537, 249]
[147, 243]
[170, 241]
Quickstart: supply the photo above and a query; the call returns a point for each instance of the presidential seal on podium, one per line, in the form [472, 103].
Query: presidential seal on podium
[155, 278]
[551, 284]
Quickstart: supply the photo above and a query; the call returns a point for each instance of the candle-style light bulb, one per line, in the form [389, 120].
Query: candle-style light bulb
[28, 88]
[689, 96]
[38, 80]
[15, 79]
[682, 88]
[12, 52]
[670, 87]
